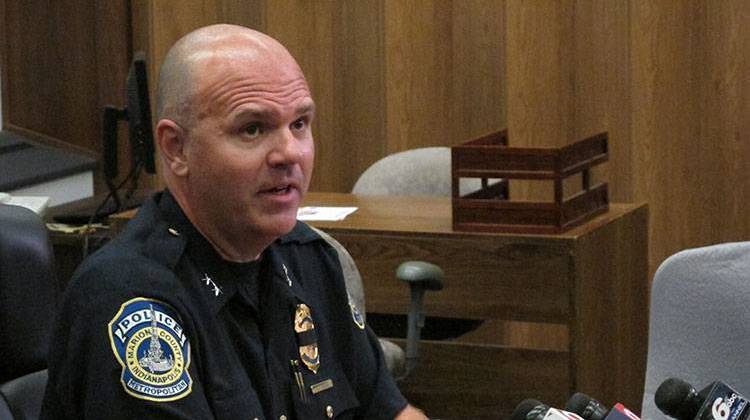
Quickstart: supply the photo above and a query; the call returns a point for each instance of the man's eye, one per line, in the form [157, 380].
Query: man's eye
[299, 124]
[253, 130]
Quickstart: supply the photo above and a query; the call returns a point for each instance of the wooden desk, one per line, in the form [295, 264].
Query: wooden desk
[561, 313]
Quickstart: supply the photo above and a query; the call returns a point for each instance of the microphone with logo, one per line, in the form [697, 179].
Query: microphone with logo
[532, 409]
[718, 401]
[591, 409]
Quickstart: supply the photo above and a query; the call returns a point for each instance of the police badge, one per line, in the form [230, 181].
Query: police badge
[307, 338]
[152, 349]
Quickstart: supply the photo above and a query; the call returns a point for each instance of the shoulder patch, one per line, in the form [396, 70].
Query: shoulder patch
[150, 345]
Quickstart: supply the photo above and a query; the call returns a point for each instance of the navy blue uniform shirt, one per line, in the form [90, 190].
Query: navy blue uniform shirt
[156, 324]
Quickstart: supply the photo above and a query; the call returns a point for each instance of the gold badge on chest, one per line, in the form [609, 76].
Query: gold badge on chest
[306, 337]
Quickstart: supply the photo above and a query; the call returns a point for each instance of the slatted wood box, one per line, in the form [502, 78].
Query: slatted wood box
[490, 209]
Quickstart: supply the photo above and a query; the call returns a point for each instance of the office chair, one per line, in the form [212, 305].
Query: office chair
[28, 295]
[420, 276]
[423, 171]
[699, 320]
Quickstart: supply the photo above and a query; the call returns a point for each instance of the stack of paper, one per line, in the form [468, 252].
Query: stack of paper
[313, 213]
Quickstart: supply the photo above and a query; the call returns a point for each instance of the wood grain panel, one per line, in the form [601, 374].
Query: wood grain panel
[56, 81]
[601, 67]
[342, 56]
[459, 381]
[3, 66]
[360, 96]
[725, 112]
[477, 73]
[62, 62]
[539, 73]
[605, 315]
[539, 76]
[482, 282]
[690, 93]
[307, 30]
[417, 65]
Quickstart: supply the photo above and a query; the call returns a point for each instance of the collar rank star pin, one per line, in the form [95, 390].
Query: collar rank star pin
[307, 338]
[208, 281]
[286, 273]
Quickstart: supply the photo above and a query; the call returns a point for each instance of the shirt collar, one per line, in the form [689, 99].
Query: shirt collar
[177, 235]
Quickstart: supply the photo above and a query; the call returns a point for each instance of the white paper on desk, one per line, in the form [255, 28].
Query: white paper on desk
[313, 213]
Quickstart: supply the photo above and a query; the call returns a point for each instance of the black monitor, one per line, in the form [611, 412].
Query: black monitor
[138, 115]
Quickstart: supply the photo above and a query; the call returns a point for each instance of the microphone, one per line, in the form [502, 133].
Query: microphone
[532, 409]
[591, 409]
[718, 401]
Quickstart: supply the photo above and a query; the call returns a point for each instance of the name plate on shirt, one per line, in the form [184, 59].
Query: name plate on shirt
[321, 386]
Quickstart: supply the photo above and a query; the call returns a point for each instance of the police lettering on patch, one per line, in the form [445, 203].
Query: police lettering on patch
[152, 349]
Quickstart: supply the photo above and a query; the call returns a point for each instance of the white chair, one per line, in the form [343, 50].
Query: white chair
[700, 321]
[417, 172]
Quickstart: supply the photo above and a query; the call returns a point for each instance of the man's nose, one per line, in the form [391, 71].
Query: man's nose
[287, 149]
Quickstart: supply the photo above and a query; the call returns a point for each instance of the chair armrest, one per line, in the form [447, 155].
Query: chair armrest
[421, 273]
[420, 276]
[24, 395]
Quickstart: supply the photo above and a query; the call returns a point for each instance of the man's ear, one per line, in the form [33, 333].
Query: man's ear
[172, 143]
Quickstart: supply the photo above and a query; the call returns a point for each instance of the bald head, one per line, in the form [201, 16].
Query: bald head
[192, 56]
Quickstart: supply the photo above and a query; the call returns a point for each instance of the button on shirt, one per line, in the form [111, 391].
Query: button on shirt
[157, 324]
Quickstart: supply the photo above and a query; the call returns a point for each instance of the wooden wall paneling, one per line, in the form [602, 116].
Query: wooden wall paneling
[665, 89]
[477, 73]
[539, 73]
[418, 57]
[539, 81]
[360, 94]
[62, 63]
[3, 65]
[602, 87]
[248, 13]
[54, 72]
[689, 92]
[308, 31]
[113, 50]
[725, 127]
[159, 24]
[341, 55]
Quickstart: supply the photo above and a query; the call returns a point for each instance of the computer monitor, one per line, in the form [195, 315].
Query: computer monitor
[138, 115]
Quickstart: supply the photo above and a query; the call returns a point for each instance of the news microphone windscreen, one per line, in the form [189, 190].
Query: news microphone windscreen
[678, 399]
[527, 410]
[586, 407]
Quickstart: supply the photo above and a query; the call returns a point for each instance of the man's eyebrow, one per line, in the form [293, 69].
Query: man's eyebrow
[256, 113]
[306, 108]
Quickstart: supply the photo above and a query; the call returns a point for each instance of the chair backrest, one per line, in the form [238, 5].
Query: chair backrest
[28, 292]
[417, 172]
[700, 313]
[351, 274]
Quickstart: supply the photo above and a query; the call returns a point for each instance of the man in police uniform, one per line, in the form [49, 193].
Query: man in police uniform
[215, 302]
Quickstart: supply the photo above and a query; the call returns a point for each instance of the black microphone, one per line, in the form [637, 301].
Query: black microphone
[532, 409]
[591, 409]
[718, 401]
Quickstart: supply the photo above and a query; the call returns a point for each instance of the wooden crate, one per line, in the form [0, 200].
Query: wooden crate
[490, 209]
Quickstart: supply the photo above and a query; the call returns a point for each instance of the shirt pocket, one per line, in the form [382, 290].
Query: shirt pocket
[326, 396]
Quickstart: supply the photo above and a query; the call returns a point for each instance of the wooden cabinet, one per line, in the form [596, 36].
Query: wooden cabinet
[559, 313]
